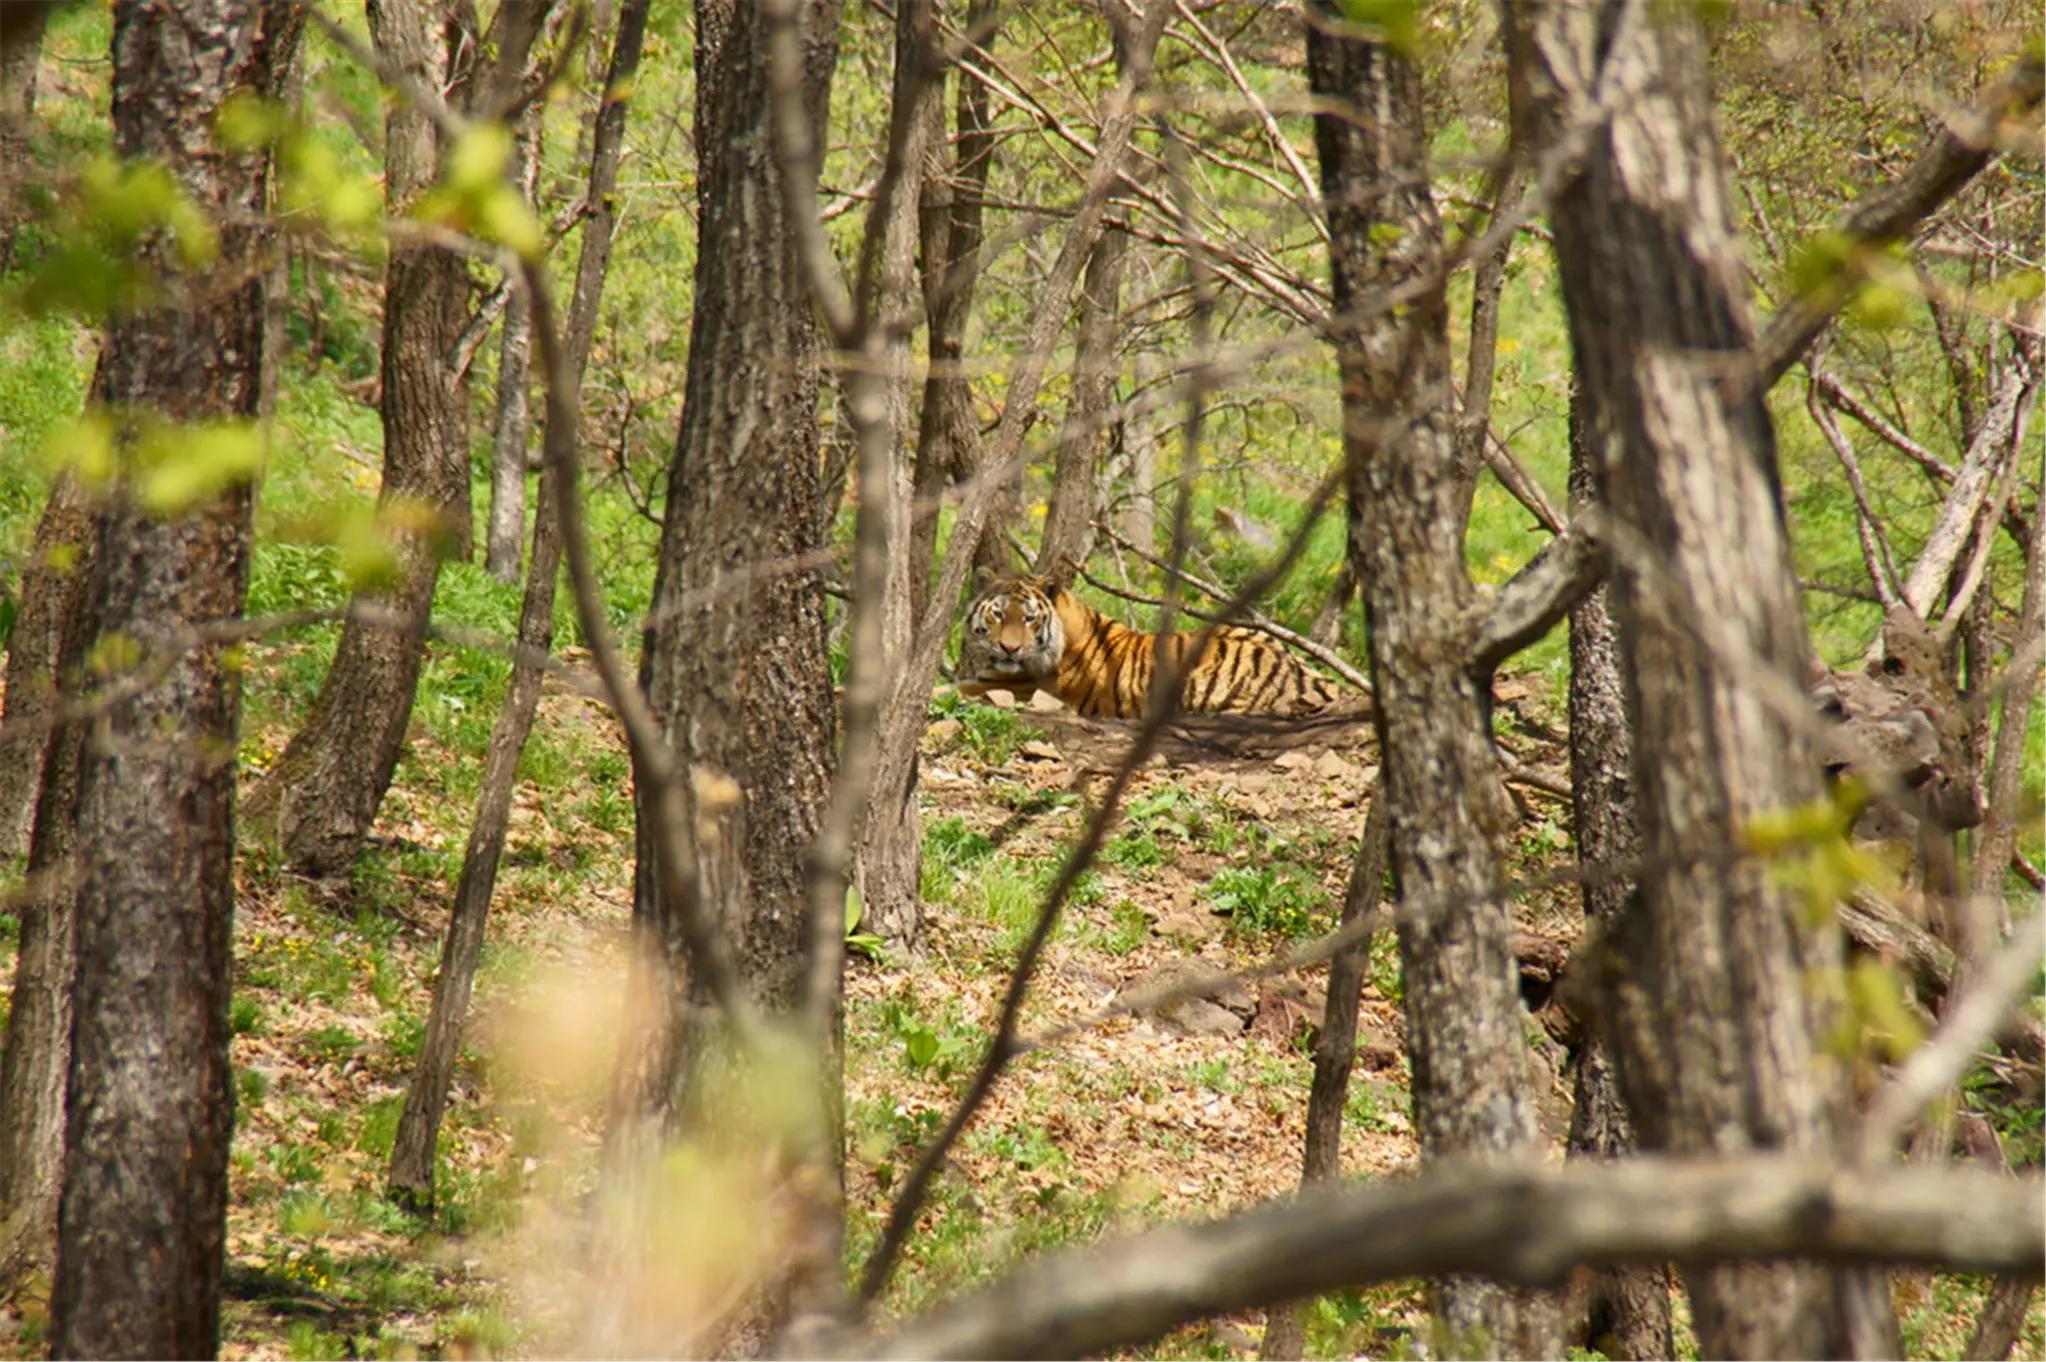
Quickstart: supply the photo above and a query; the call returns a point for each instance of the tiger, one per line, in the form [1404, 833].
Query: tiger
[1033, 633]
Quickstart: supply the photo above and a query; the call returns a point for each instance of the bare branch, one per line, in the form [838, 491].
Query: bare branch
[1517, 1223]
[1868, 526]
[1967, 1027]
[1964, 144]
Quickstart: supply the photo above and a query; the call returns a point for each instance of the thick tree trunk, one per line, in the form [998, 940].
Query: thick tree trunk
[324, 791]
[1716, 1027]
[410, 1178]
[143, 1219]
[1628, 1307]
[734, 663]
[1449, 808]
[1083, 444]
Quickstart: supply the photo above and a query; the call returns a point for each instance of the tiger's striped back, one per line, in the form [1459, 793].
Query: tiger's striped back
[1031, 631]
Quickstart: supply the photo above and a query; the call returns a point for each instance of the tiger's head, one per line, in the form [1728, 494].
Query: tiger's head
[1013, 635]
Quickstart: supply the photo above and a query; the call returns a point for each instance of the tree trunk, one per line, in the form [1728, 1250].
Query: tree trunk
[37, 1062]
[1449, 808]
[324, 791]
[948, 435]
[1083, 444]
[1628, 1307]
[889, 854]
[55, 592]
[509, 452]
[21, 55]
[734, 662]
[1715, 1029]
[410, 1178]
[1335, 1053]
[143, 1219]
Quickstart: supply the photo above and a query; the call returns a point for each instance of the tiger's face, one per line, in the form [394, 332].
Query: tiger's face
[1013, 635]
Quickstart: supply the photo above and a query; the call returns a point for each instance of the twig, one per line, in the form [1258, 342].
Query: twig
[1868, 526]
[1969, 1024]
[1964, 144]
[675, 849]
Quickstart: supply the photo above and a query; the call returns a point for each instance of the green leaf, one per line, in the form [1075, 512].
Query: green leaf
[247, 121]
[184, 467]
[921, 1046]
[1396, 23]
[86, 447]
[479, 158]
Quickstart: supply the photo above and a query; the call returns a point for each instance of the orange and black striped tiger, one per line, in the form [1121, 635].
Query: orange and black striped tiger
[1031, 632]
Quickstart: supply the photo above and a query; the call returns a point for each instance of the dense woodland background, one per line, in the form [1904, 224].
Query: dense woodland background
[454, 918]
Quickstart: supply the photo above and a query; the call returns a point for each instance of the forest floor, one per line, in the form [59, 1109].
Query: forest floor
[1234, 842]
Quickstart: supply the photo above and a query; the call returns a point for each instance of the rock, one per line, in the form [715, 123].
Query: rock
[1199, 1017]
[1040, 751]
[1209, 1006]
[1044, 702]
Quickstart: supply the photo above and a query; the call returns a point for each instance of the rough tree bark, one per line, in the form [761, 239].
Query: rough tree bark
[1714, 1016]
[1083, 442]
[323, 793]
[410, 1177]
[143, 1220]
[948, 433]
[734, 661]
[889, 855]
[21, 53]
[1441, 777]
[55, 588]
[37, 1061]
[1627, 1307]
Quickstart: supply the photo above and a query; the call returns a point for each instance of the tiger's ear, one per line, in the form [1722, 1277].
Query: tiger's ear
[983, 578]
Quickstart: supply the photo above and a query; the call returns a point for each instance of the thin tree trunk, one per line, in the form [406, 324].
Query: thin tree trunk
[143, 1218]
[1335, 1053]
[1716, 1027]
[1488, 283]
[1083, 444]
[889, 856]
[2003, 1319]
[322, 796]
[1997, 836]
[1628, 1308]
[54, 592]
[21, 55]
[1471, 1090]
[510, 453]
[948, 436]
[410, 1177]
[37, 1061]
